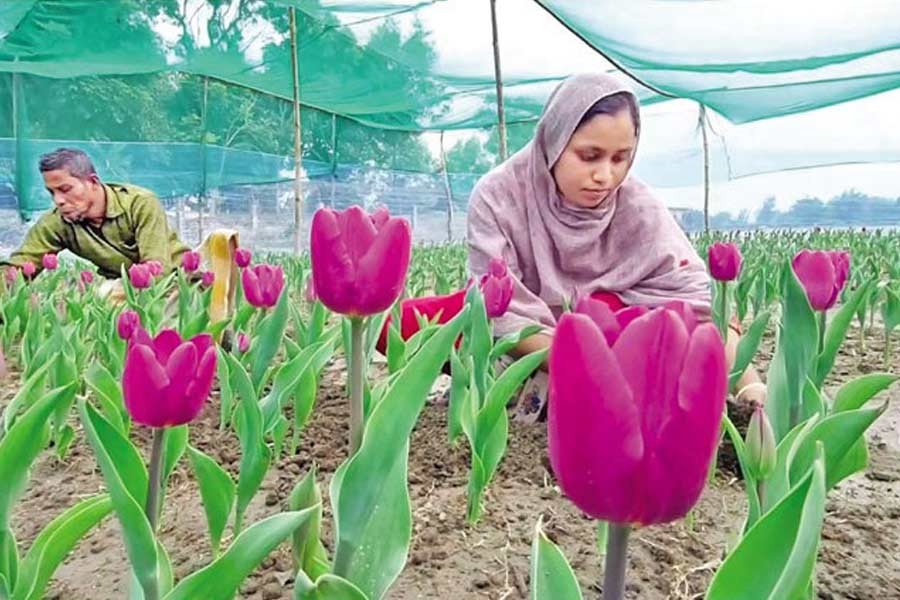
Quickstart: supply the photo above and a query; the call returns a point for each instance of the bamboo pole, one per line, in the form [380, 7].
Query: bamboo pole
[498, 78]
[298, 146]
[702, 125]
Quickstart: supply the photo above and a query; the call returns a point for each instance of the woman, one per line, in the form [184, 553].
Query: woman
[569, 220]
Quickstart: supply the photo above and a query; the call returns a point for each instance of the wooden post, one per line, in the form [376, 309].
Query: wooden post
[702, 125]
[415, 218]
[498, 78]
[449, 191]
[179, 216]
[298, 140]
[201, 199]
[333, 158]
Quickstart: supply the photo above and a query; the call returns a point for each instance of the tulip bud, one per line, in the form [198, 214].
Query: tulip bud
[243, 342]
[28, 269]
[242, 257]
[140, 276]
[208, 278]
[127, 323]
[87, 277]
[262, 285]
[11, 274]
[724, 261]
[50, 262]
[190, 261]
[760, 445]
[497, 286]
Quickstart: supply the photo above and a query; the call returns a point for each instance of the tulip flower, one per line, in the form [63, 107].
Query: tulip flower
[823, 275]
[155, 267]
[633, 424]
[87, 277]
[165, 383]
[127, 323]
[207, 279]
[50, 262]
[497, 287]
[434, 309]
[359, 261]
[359, 266]
[309, 293]
[243, 342]
[140, 276]
[10, 275]
[28, 269]
[242, 257]
[263, 285]
[190, 261]
[724, 261]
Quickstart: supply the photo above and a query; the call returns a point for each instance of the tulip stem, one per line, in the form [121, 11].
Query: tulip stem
[357, 329]
[723, 309]
[616, 562]
[154, 484]
[823, 322]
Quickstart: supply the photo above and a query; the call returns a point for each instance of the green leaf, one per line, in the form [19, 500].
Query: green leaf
[54, 543]
[221, 579]
[396, 350]
[368, 491]
[124, 482]
[836, 332]
[748, 346]
[217, 491]
[9, 561]
[26, 396]
[326, 587]
[856, 392]
[796, 348]
[175, 444]
[459, 379]
[837, 433]
[21, 446]
[753, 500]
[551, 576]
[268, 341]
[226, 395]
[255, 454]
[108, 393]
[776, 558]
[310, 555]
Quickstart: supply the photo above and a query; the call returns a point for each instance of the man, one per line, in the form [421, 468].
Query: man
[109, 224]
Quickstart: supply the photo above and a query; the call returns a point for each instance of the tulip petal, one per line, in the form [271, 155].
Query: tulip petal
[650, 352]
[332, 267]
[251, 287]
[381, 271]
[602, 315]
[683, 310]
[144, 383]
[688, 440]
[358, 232]
[198, 391]
[594, 434]
[181, 370]
[627, 315]
[165, 342]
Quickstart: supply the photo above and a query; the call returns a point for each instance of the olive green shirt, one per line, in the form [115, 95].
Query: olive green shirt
[135, 230]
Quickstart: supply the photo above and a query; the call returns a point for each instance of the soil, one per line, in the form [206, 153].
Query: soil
[858, 558]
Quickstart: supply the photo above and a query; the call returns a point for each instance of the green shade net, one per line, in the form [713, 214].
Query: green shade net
[189, 96]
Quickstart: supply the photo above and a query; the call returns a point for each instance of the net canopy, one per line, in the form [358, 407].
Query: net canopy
[189, 96]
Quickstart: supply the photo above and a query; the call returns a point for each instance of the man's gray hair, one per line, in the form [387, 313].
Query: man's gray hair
[73, 160]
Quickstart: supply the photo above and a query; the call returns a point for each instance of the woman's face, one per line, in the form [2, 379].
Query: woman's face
[596, 159]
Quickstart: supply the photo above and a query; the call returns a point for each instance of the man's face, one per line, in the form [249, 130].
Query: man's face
[71, 195]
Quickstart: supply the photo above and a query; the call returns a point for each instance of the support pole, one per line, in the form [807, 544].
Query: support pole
[498, 78]
[448, 190]
[702, 125]
[298, 146]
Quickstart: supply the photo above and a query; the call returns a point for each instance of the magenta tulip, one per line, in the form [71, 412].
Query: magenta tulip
[155, 267]
[725, 261]
[243, 342]
[87, 277]
[497, 286]
[10, 274]
[140, 276]
[823, 275]
[166, 380]
[28, 269]
[190, 261]
[263, 285]
[207, 279]
[359, 261]
[50, 262]
[127, 324]
[242, 257]
[633, 425]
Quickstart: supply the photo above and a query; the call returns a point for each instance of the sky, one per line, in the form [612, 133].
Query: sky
[670, 157]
